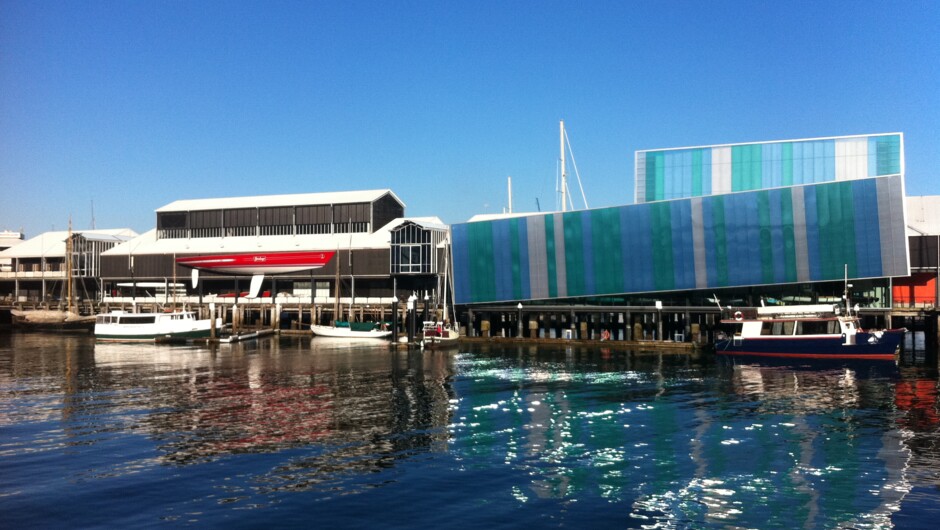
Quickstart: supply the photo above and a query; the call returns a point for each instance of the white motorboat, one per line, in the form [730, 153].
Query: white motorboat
[119, 326]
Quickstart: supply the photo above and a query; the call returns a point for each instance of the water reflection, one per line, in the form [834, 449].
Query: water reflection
[551, 436]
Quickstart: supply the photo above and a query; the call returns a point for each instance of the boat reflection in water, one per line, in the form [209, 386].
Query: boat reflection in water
[266, 400]
[279, 430]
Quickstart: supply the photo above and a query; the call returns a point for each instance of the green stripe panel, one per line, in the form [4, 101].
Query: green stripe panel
[574, 255]
[607, 250]
[835, 212]
[697, 173]
[482, 270]
[661, 220]
[766, 249]
[550, 256]
[786, 155]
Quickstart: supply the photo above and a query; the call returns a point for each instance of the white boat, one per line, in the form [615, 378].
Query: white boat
[119, 326]
[351, 330]
[437, 332]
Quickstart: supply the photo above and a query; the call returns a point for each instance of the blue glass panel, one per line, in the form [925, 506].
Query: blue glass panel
[683, 255]
[752, 219]
[686, 173]
[502, 259]
[798, 163]
[867, 228]
[523, 243]
[829, 147]
[776, 236]
[711, 259]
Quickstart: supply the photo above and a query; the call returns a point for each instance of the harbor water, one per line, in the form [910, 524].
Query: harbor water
[300, 432]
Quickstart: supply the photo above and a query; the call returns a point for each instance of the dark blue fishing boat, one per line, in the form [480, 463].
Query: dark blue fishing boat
[807, 331]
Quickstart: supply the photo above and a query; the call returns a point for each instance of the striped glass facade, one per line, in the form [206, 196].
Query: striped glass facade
[782, 235]
[702, 171]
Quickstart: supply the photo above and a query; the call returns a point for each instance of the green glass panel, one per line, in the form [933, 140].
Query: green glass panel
[574, 253]
[786, 159]
[737, 168]
[756, 161]
[697, 173]
[663, 273]
[766, 242]
[660, 176]
[551, 267]
[483, 275]
[650, 177]
[607, 252]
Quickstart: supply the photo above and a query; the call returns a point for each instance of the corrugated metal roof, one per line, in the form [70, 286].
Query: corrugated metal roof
[149, 244]
[52, 244]
[296, 199]
[923, 215]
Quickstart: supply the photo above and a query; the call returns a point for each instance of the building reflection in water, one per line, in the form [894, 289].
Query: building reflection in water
[670, 439]
[749, 445]
[357, 410]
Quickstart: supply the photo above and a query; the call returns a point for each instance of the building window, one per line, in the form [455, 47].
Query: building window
[411, 250]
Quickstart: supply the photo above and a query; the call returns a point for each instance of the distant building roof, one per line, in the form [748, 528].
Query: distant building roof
[497, 216]
[52, 244]
[923, 215]
[262, 201]
[148, 243]
[9, 239]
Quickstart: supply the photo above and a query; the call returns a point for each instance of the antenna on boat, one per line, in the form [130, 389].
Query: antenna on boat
[717, 301]
[845, 292]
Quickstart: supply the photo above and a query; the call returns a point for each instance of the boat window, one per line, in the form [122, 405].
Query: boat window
[788, 327]
[769, 328]
[833, 327]
[142, 319]
[812, 327]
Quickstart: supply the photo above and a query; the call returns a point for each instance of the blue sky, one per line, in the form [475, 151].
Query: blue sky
[132, 105]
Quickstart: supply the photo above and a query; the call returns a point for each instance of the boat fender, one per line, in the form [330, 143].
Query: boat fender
[605, 335]
[738, 315]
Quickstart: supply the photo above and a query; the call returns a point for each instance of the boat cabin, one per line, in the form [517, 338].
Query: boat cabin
[787, 322]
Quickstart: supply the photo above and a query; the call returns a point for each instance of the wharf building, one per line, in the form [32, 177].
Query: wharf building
[381, 257]
[36, 271]
[741, 225]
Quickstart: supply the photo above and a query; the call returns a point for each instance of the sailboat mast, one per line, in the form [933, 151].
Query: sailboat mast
[68, 264]
[336, 304]
[564, 173]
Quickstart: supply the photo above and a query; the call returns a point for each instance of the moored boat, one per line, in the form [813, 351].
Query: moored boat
[351, 330]
[51, 320]
[119, 326]
[807, 331]
[258, 262]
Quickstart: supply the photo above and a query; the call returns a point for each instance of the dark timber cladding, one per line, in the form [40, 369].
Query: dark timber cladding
[219, 226]
[328, 218]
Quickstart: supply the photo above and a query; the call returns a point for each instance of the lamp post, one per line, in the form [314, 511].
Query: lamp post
[411, 317]
[659, 319]
[519, 320]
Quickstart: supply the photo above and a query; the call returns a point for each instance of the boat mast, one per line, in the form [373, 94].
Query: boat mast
[68, 264]
[336, 304]
[352, 279]
[564, 173]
